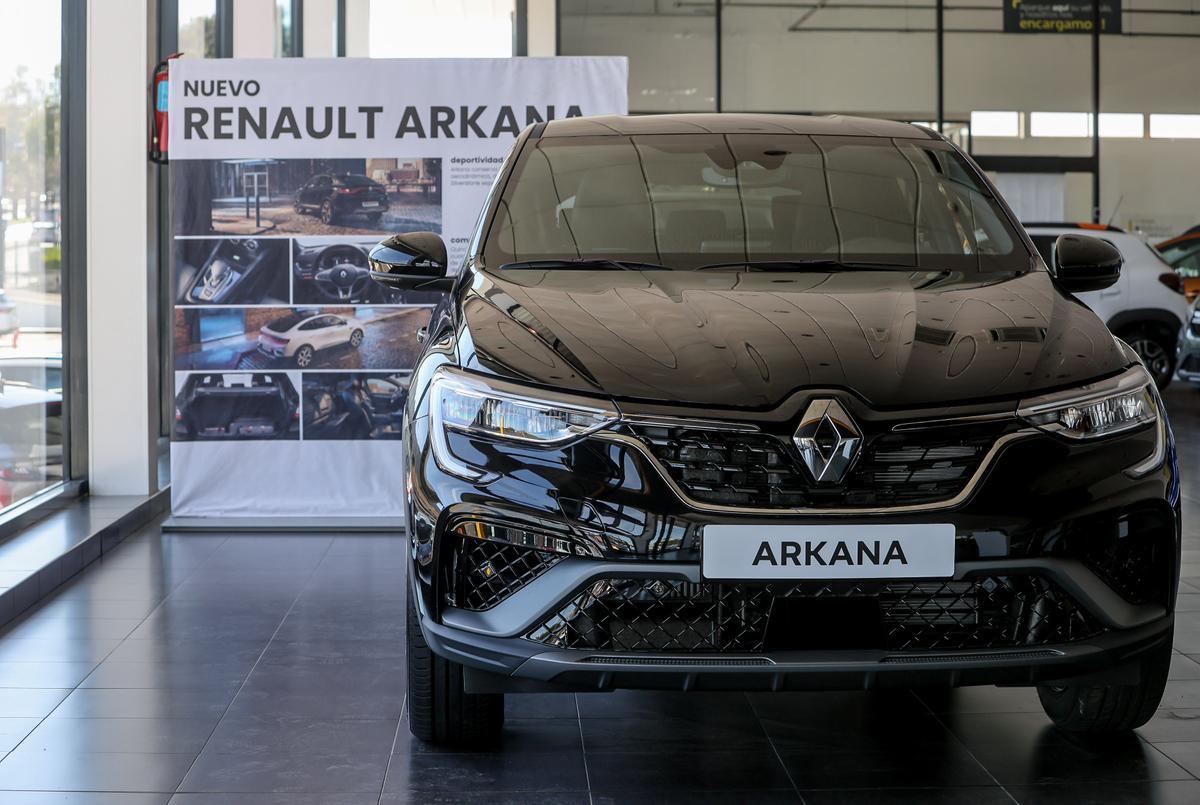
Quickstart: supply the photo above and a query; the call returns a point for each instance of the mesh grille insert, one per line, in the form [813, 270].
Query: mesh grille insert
[653, 615]
[483, 573]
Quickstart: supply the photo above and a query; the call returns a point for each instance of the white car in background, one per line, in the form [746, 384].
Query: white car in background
[300, 335]
[1146, 308]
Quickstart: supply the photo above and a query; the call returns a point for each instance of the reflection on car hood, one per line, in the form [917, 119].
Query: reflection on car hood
[750, 339]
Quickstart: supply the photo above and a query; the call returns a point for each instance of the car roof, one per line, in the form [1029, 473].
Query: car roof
[729, 123]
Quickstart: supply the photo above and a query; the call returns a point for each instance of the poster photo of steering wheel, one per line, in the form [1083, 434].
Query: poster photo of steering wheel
[328, 271]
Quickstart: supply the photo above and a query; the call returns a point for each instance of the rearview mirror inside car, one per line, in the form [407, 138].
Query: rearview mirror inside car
[414, 261]
[1083, 263]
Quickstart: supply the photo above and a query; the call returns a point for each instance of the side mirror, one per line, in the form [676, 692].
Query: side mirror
[1083, 263]
[414, 261]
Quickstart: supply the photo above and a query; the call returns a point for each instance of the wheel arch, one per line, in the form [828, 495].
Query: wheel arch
[1157, 320]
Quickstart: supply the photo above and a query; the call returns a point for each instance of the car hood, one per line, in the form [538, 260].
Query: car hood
[751, 339]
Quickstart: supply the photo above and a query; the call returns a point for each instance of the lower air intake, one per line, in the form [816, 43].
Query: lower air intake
[654, 615]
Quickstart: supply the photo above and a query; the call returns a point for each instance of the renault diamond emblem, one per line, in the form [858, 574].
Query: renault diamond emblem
[828, 441]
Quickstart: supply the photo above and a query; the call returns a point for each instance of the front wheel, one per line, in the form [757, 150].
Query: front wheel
[328, 216]
[356, 338]
[1098, 710]
[1157, 352]
[439, 710]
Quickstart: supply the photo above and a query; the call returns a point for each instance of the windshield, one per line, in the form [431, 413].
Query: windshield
[689, 200]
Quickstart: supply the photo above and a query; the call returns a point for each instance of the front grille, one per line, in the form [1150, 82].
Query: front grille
[654, 615]
[754, 469]
[481, 573]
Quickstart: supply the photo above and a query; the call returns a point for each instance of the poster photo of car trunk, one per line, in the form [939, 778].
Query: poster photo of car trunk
[281, 338]
[354, 405]
[228, 406]
[259, 197]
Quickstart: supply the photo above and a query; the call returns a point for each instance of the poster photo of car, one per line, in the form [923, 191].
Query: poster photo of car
[228, 406]
[328, 271]
[256, 197]
[261, 338]
[354, 405]
[232, 271]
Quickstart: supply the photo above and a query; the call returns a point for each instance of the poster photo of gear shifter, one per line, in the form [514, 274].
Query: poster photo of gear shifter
[232, 271]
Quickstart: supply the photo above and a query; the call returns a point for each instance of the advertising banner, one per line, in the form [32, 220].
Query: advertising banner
[1060, 16]
[291, 364]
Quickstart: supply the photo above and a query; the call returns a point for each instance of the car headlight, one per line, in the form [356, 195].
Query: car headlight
[1096, 410]
[497, 409]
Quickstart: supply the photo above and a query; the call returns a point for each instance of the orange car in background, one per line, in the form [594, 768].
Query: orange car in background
[1183, 253]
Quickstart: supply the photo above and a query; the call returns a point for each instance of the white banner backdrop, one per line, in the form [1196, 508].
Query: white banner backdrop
[292, 366]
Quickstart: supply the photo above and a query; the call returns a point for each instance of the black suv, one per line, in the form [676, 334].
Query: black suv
[334, 196]
[745, 402]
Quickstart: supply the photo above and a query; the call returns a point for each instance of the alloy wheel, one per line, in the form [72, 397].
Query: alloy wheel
[1154, 356]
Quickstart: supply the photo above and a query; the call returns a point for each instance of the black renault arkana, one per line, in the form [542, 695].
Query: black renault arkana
[747, 402]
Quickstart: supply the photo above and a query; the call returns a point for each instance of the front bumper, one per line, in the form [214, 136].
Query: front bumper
[499, 657]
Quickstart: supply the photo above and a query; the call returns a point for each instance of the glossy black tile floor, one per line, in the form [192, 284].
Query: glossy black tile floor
[249, 668]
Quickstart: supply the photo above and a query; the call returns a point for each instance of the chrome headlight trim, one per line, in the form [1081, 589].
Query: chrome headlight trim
[1156, 458]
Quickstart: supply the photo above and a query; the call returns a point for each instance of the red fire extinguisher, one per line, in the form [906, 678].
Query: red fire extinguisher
[159, 84]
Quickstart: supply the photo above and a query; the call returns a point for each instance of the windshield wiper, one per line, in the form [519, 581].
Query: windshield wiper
[585, 263]
[815, 264]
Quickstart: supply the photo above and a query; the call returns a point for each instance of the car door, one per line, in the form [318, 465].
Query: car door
[305, 191]
[312, 190]
[339, 332]
[386, 396]
[318, 332]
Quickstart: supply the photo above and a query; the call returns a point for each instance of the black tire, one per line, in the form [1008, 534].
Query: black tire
[1156, 351]
[439, 711]
[1101, 710]
[356, 338]
[328, 216]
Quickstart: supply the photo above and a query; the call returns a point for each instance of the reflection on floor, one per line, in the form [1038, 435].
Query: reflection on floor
[269, 669]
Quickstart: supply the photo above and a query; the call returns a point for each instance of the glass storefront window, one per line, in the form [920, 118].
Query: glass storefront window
[671, 48]
[31, 365]
[198, 28]
[441, 28]
[285, 32]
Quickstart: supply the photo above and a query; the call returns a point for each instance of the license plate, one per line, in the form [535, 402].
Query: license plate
[367, 204]
[827, 551]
